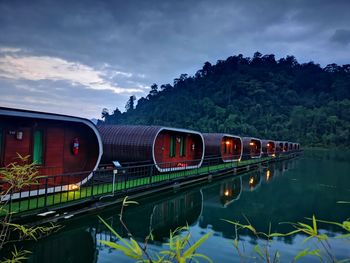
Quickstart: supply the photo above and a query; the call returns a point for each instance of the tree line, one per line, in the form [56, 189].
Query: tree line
[258, 96]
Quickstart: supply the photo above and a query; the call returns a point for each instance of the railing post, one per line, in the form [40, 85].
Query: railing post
[46, 185]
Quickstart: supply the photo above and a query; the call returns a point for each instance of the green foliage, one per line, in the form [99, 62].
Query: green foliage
[17, 256]
[35, 232]
[256, 96]
[179, 248]
[310, 231]
[19, 174]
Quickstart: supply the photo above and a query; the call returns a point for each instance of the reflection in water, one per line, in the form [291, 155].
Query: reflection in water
[230, 190]
[281, 192]
[252, 181]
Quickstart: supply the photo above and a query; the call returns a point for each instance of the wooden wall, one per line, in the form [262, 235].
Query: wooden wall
[162, 149]
[58, 137]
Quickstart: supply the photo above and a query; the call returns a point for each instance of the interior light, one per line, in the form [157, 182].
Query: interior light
[251, 143]
[73, 187]
[251, 181]
[227, 142]
[227, 193]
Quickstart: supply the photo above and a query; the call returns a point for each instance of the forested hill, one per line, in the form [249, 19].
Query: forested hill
[259, 96]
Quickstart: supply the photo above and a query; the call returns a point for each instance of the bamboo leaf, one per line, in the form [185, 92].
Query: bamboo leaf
[258, 251]
[199, 242]
[306, 252]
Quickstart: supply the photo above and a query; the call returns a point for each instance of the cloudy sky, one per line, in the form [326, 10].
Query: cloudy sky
[78, 57]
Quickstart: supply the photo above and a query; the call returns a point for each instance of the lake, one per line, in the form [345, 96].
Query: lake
[289, 191]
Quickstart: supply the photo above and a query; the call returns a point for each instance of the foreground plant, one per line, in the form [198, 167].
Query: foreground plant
[17, 176]
[178, 249]
[311, 231]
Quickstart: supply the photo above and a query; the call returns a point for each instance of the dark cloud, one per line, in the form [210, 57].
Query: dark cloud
[341, 36]
[156, 41]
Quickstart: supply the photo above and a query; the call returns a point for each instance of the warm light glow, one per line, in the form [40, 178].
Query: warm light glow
[251, 181]
[268, 145]
[251, 143]
[73, 187]
[273, 155]
[227, 142]
[268, 174]
[227, 193]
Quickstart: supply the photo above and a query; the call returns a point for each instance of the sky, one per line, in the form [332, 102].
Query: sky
[78, 57]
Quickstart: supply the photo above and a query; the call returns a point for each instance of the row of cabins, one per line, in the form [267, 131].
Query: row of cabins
[61, 144]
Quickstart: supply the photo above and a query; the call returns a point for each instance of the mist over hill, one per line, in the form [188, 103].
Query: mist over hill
[258, 96]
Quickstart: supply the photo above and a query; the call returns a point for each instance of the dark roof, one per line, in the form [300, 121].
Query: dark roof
[213, 142]
[128, 143]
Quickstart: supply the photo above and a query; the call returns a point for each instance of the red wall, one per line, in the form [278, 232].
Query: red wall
[57, 144]
[162, 150]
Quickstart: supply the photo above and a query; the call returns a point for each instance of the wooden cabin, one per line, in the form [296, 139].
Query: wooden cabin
[169, 149]
[251, 148]
[268, 148]
[57, 144]
[290, 146]
[279, 147]
[228, 147]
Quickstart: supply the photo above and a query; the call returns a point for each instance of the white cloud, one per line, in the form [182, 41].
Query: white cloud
[9, 50]
[51, 68]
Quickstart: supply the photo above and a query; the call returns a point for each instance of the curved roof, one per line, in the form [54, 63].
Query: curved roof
[213, 143]
[135, 143]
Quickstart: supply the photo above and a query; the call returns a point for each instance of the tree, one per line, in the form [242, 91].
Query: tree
[130, 104]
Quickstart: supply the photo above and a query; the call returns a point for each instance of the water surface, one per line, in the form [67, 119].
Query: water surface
[288, 191]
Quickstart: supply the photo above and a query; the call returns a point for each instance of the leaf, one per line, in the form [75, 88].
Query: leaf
[235, 243]
[115, 233]
[258, 251]
[199, 242]
[306, 252]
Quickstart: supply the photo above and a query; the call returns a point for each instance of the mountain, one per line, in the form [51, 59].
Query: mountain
[259, 96]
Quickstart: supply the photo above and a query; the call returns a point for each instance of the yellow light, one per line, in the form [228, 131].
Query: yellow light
[227, 142]
[251, 181]
[73, 187]
[268, 174]
[227, 193]
[273, 155]
[251, 143]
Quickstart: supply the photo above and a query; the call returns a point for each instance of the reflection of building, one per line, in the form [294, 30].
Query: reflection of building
[230, 191]
[161, 216]
[252, 181]
[77, 245]
[180, 211]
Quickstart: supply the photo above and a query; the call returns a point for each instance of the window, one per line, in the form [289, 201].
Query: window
[225, 147]
[172, 146]
[38, 147]
[182, 146]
